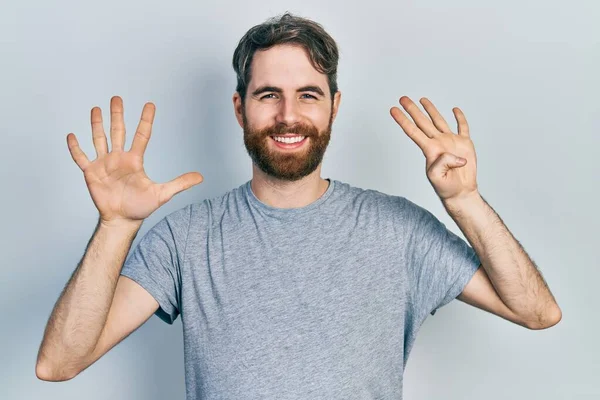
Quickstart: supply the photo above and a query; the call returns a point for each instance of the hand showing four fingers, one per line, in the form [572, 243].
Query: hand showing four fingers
[450, 178]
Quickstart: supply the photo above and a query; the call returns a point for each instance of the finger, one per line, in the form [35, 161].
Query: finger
[409, 128]
[439, 121]
[177, 185]
[117, 124]
[420, 119]
[463, 126]
[144, 130]
[76, 153]
[98, 135]
[446, 162]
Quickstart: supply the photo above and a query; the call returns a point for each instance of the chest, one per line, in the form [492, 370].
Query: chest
[294, 303]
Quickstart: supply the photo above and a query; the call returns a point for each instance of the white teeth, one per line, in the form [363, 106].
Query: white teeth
[294, 139]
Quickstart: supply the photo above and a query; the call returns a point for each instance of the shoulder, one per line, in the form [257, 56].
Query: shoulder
[388, 206]
[374, 199]
[212, 209]
[199, 210]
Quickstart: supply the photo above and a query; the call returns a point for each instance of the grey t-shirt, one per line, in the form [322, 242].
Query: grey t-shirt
[317, 302]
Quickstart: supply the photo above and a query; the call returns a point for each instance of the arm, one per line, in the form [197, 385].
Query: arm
[509, 284]
[514, 277]
[97, 308]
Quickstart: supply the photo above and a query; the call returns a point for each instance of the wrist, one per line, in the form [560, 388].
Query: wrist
[120, 224]
[462, 203]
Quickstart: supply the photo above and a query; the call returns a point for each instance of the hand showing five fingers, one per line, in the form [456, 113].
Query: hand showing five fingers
[450, 178]
[116, 180]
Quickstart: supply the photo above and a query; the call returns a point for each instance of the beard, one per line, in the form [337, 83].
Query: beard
[286, 165]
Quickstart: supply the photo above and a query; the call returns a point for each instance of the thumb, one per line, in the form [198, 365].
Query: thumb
[445, 162]
[459, 161]
[177, 185]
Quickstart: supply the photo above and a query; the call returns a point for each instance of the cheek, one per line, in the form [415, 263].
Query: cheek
[260, 117]
[319, 117]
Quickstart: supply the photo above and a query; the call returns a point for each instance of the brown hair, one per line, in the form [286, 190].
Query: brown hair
[287, 29]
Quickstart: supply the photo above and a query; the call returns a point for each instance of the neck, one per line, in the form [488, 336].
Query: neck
[286, 194]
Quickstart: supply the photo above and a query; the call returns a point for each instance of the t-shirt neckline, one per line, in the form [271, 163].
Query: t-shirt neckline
[282, 212]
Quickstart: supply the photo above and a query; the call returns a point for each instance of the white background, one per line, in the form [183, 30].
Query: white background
[525, 73]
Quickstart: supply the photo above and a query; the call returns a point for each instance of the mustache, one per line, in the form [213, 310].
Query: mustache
[280, 129]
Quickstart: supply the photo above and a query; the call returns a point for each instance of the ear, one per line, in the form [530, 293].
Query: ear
[237, 108]
[337, 98]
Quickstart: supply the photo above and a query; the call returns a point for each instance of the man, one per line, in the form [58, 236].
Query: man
[290, 286]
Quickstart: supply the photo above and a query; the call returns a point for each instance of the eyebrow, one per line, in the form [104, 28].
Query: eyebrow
[311, 88]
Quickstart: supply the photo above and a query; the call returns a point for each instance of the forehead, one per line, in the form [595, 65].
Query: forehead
[284, 66]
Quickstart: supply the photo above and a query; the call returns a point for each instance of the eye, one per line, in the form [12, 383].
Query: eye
[267, 96]
[310, 96]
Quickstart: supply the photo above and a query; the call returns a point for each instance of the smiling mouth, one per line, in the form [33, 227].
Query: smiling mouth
[289, 141]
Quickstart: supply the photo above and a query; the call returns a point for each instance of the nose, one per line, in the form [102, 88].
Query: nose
[287, 114]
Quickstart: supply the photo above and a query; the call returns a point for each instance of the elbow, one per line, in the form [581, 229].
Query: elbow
[45, 372]
[547, 320]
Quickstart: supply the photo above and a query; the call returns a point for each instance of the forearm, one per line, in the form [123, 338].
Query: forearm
[513, 274]
[80, 313]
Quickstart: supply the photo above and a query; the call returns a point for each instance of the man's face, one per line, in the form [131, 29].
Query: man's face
[288, 113]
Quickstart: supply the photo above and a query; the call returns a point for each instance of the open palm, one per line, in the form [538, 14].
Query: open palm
[116, 180]
[450, 159]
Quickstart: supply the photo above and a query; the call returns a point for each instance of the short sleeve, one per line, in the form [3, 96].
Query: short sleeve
[155, 263]
[440, 262]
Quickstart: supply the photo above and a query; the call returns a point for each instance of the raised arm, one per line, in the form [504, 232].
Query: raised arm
[98, 307]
